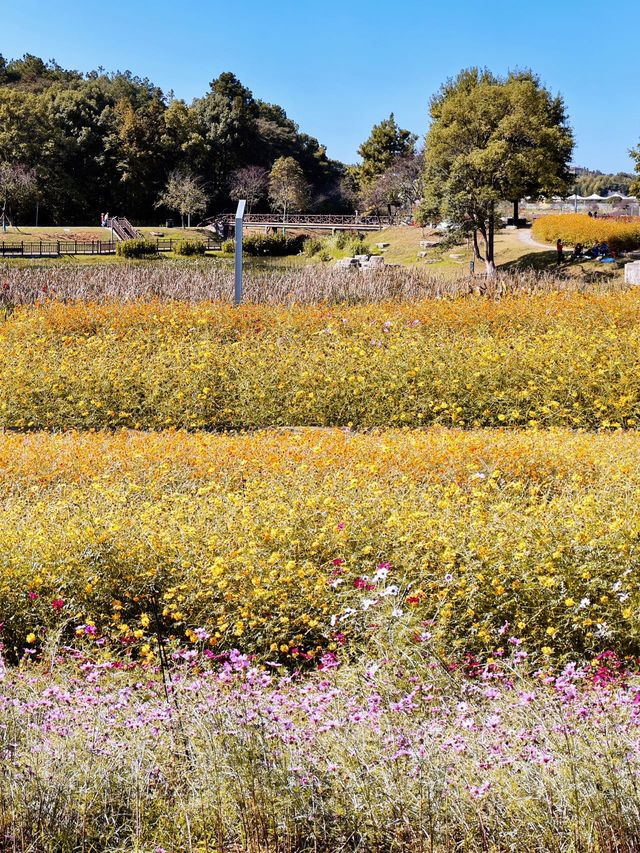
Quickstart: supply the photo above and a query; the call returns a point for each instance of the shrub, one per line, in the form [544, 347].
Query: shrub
[342, 239]
[620, 234]
[228, 247]
[358, 246]
[273, 245]
[189, 248]
[313, 245]
[136, 249]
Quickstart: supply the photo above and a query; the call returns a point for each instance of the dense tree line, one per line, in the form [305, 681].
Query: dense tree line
[74, 145]
[590, 181]
[111, 142]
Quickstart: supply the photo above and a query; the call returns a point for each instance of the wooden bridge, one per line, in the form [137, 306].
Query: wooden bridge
[122, 228]
[224, 223]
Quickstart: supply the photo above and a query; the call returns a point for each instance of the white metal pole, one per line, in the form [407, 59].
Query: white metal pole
[237, 297]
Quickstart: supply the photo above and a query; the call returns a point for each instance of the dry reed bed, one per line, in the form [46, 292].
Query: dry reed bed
[194, 281]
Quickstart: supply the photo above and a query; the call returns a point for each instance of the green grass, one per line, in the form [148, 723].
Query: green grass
[512, 251]
[198, 234]
[29, 233]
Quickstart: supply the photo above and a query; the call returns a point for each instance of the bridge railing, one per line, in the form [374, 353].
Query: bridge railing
[305, 219]
[53, 248]
[131, 232]
[45, 248]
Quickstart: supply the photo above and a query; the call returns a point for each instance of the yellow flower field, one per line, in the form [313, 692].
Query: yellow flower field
[289, 543]
[553, 360]
[572, 228]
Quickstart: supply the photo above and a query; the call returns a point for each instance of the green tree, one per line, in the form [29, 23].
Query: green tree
[227, 120]
[288, 188]
[589, 182]
[387, 141]
[492, 139]
[184, 192]
[101, 141]
[16, 183]
[635, 186]
[539, 141]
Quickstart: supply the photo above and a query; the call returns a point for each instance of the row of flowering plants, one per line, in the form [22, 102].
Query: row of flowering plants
[401, 752]
[288, 544]
[551, 360]
[573, 228]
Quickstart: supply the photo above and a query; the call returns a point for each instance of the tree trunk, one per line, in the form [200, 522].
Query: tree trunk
[476, 248]
[516, 212]
[189, 219]
[489, 259]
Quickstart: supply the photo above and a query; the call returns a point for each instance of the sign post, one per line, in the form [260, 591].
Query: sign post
[237, 297]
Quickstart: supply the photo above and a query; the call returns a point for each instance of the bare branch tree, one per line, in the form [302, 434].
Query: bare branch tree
[250, 183]
[397, 189]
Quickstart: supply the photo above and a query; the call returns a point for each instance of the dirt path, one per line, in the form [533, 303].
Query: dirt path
[525, 236]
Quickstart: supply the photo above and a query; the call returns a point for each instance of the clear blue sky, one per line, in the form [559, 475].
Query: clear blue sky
[339, 66]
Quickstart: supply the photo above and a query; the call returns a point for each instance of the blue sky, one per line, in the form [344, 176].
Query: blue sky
[339, 66]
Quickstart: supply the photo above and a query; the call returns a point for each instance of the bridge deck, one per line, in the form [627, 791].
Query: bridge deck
[324, 222]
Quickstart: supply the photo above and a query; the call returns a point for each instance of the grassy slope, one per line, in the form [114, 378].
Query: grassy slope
[512, 251]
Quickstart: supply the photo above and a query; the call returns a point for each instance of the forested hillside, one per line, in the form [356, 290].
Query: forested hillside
[109, 141]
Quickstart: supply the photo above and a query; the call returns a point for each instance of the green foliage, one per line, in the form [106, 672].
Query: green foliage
[492, 139]
[189, 248]
[276, 245]
[589, 182]
[228, 247]
[313, 245]
[358, 246]
[635, 186]
[137, 249]
[109, 142]
[288, 188]
[386, 142]
[342, 239]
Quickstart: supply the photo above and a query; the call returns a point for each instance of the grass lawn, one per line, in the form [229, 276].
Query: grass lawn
[514, 250]
[175, 233]
[30, 234]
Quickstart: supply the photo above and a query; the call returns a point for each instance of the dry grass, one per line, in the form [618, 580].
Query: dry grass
[197, 281]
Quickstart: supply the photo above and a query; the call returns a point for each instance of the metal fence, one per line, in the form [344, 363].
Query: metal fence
[57, 248]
